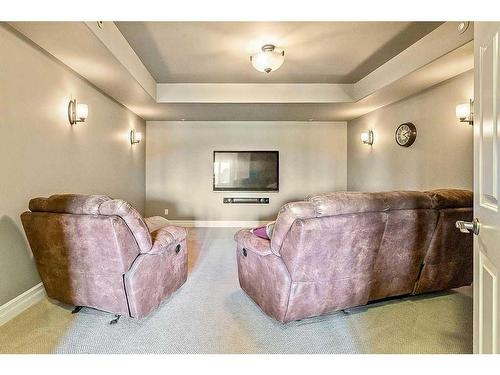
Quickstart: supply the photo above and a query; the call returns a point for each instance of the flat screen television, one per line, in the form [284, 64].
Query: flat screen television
[246, 171]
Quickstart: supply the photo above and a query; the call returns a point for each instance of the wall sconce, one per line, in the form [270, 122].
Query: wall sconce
[135, 137]
[367, 137]
[77, 112]
[465, 112]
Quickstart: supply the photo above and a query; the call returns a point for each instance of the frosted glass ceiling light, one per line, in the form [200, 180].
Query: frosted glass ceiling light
[268, 60]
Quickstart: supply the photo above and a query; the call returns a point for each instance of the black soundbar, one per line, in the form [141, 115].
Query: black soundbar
[246, 200]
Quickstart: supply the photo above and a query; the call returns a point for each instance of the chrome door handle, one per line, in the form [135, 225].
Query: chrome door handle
[468, 226]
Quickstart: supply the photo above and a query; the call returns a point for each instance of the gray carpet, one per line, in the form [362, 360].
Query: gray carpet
[210, 314]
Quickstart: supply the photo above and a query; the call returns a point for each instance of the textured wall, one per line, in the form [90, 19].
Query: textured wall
[442, 155]
[179, 160]
[41, 154]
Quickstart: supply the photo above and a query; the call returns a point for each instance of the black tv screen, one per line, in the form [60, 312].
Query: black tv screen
[246, 171]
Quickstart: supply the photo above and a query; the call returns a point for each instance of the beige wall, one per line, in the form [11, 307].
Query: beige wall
[442, 155]
[179, 159]
[41, 154]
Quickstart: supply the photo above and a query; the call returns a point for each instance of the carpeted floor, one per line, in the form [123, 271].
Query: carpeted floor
[210, 314]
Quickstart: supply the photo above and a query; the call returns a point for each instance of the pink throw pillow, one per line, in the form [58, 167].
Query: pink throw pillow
[265, 231]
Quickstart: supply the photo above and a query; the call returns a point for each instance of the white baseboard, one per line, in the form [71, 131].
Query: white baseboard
[217, 223]
[17, 305]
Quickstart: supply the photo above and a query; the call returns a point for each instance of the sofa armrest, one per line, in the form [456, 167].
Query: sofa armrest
[246, 239]
[166, 236]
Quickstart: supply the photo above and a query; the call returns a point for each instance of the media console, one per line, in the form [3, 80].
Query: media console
[245, 200]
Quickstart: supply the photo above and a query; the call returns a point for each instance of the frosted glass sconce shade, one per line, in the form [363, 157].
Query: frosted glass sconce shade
[465, 112]
[135, 137]
[77, 112]
[367, 137]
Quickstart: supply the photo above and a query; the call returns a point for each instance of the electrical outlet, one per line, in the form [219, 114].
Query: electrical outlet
[166, 211]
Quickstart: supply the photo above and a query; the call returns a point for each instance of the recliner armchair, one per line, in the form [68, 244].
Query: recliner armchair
[341, 250]
[91, 250]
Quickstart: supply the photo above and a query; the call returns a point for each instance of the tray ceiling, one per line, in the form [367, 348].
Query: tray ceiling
[315, 52]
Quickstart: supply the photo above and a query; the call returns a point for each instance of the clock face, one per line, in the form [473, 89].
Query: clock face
[406, 134]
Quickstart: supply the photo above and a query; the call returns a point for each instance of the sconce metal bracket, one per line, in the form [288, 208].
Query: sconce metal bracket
[72, 112]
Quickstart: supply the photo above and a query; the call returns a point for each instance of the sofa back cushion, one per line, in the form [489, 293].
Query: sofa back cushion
[347, 248]
[287, 215]
[449, 258]
[68, 204]
[80, 256]
[377, 244]
[133, 219]
[450, 198]
[404, 244]
[330, 261]
[357, 202]
[97, 205]
[333, 247]
[342, 203]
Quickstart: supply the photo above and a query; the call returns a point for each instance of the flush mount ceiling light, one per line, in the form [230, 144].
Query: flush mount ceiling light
[462, 27]
[268, 60]
[77, 112]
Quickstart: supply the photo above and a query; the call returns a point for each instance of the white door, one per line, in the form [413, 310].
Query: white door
[487, 186]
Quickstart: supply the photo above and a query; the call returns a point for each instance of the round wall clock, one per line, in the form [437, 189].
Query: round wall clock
[406, 134]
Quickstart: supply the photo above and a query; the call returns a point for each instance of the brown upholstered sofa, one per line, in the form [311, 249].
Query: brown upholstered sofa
[91, 250]
[341, 250]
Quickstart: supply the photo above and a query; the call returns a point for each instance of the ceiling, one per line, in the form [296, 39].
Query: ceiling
[315, 52]
[333, 71]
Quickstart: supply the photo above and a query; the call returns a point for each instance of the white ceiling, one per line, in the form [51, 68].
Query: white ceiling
[111, 64]
[315, 52]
